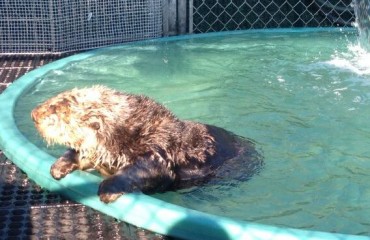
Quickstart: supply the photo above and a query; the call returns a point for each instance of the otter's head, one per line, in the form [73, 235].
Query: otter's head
[79, 117]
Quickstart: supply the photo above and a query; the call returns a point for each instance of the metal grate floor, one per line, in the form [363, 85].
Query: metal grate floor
[29, 212]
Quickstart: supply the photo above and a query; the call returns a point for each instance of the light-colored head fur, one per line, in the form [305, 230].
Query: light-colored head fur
[78, 119]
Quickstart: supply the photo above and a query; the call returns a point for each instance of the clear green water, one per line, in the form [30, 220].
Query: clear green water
[303, 97]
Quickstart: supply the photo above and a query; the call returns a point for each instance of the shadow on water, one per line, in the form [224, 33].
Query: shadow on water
[206, 229]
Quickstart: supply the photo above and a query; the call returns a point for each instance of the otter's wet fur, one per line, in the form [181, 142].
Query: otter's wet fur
[136, 143]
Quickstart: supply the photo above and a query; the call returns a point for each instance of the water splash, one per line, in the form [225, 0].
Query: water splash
[356, 59]
[362, 13]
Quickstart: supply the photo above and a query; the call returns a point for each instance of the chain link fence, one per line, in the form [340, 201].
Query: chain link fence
[57, 26]
[224, 15]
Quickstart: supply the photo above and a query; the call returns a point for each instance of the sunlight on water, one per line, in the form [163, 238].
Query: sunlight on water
[304, 98]
[356, 59]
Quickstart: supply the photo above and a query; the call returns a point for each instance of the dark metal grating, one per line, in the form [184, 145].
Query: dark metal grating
[12, 67]
[29, 212]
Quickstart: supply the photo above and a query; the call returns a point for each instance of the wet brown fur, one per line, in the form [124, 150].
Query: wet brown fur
[138, 144]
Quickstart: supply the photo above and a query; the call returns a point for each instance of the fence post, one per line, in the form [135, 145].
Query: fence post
[190, 16]
[165, 17]
[181, 14]
[172, 23]
[177, 17]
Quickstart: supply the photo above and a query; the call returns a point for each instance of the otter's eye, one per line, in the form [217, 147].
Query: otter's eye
[52, 109]
[95, 125]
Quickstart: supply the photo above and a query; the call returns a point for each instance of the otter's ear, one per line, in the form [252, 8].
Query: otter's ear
[95, 125]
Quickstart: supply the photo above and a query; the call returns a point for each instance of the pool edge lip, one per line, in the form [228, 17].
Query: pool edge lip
[137, 209]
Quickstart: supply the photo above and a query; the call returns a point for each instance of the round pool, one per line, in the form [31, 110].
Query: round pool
[300, 95]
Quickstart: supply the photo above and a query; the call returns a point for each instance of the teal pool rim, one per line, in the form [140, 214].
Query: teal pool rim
[137, 209]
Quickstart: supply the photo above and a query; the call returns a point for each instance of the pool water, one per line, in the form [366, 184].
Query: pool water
[303, 97]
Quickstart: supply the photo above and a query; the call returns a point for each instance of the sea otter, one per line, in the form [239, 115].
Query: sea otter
[135, 142]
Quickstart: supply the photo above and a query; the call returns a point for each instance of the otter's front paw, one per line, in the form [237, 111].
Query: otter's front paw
[62, 167]
[109, 197]
[110, 189]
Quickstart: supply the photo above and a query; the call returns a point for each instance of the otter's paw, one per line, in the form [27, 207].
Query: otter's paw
[109, 197]
[110, 190]
[62, 167]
